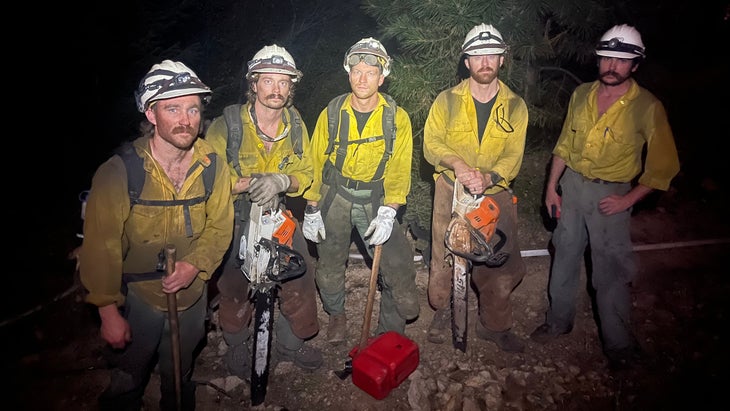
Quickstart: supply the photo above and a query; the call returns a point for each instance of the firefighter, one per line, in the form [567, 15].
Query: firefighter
[271, 169]
[475, 133]
[362, 175]
[615, 133]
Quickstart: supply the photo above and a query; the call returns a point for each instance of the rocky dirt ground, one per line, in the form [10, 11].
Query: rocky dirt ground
[53, 357]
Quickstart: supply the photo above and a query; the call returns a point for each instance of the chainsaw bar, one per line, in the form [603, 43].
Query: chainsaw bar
[263, 325]
[458, 237]
[460, 303]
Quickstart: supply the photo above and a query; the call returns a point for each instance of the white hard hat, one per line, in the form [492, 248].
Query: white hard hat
[368, 47]
[622, 42]
[167, 80]
[483, 39]
[274, 59]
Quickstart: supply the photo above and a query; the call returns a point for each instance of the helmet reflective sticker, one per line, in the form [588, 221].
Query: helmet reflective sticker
[482, 40]
[167, 80]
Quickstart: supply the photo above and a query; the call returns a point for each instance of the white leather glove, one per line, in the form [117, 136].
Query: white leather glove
[381, 226]
[265, 188]
[313, 226]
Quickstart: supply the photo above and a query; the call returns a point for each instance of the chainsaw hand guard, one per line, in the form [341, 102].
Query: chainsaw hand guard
[480, 218]
[482, 251]
[285, 263]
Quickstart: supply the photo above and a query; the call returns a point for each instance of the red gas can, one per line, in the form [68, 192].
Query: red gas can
[384, 363]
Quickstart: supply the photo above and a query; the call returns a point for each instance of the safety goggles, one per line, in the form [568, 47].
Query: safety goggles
[369, 59]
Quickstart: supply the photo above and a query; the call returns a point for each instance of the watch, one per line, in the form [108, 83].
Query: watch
[311, 209]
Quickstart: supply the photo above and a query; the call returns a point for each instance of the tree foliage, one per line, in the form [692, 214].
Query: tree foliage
[548, 39]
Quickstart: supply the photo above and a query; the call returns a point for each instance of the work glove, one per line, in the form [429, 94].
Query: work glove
[313, 226]
[381, 226]
[265, 188]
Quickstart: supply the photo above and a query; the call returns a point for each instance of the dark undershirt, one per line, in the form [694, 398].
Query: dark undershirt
[484, 110]
[362, 119]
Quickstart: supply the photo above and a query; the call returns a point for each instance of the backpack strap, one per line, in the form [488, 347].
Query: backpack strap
[337, 116]
[232, 115]
[296, 130]
[334, 111]
[388, 134]
[134, 164]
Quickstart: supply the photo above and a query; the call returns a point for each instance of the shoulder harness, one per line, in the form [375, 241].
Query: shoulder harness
[232, 115]
[134, 164]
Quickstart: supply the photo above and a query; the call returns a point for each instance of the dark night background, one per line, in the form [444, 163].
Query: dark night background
[93, 58]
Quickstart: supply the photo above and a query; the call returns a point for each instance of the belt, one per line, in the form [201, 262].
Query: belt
[599, 181]
[358, 185]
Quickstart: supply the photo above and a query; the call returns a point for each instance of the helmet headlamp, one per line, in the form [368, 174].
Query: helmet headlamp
[616, 44]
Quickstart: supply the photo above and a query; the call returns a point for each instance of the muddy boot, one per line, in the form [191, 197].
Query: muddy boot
[306, 357]
[505, 340]
[238, 356]
[337, 329]
[438, 331]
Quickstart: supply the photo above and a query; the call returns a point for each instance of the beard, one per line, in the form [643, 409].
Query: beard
[484, 76]
[611, 78]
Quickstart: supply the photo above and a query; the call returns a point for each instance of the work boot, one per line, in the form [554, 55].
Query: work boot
[306, 357]
[238, 356]
[438, 331]
[505, 340]
[546, 332]
[337, 329]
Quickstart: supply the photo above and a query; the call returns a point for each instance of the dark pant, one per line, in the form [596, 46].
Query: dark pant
[151, 341]
[494, 284]
[399, 295]
[613, 260]
[298, 297]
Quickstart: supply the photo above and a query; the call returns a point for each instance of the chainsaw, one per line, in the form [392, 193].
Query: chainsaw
[471, 236]
[268, 260]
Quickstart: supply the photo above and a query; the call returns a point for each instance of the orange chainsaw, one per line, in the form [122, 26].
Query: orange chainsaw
[480, 221]
[469, 238]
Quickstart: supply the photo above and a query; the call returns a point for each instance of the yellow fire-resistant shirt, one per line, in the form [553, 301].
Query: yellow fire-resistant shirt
[610, 147]
[451, 129]
[120, 239]
[363, 159]
[254, 158]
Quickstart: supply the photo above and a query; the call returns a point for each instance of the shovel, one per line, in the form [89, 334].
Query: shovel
[170, 256]
[343, 374]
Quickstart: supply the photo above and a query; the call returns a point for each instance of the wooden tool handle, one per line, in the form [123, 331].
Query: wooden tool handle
[371, 297]
[171, 258]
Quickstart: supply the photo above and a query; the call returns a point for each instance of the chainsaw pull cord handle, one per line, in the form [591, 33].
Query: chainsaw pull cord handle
[170, 258]
[371, 297]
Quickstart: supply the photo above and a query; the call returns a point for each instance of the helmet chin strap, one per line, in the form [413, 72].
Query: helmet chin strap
[261, 134]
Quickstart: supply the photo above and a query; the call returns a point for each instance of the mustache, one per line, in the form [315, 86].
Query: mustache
[610, 73]
[273, 96]
[184, 129]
